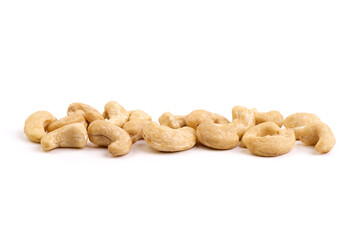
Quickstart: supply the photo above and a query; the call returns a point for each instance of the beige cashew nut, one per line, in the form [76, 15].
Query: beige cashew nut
[172, 121]
[318, 134]
[36, 125]
[297, 121]
[194, 118]
[137, 121]
[116, 113]
[80, 108]
[104, 133]
[75, 118]
[272, 116]
[92, 115]
[73, 135]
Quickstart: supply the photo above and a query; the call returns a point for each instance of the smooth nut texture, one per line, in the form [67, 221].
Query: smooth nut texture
[297, 121]
[166, 139]
[268, 140]
[137, 121]
[104, 133]
[80, 108]
[272, 116]
[116, 113]
[318, 134]
[75, 118]
[36, 125]
[194, 118]
[92, 115]
[172, 121]
[73, 135]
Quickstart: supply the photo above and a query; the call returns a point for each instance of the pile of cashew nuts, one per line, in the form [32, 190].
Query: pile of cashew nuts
[117, 129]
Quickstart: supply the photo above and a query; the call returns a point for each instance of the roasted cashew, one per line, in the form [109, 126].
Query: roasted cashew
[268, 140]
[75, 118]
[92, 115]
[73, 135]
[166, 139]
[297, 121]
[104, 133]
[137, 121]
[272, 116]
[172, 121]
[36, 125]
[227, 135]
[318, 134]
[197, 116]
[116, 113]
[80, 108]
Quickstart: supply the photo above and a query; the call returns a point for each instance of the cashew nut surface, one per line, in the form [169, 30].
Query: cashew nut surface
[79, 108]
[318, 134]
[92, 115]
[75, 118]
[268, 140]
[172, 121]
[194, 118]
[116, 113]
[73, 135]
[272, 116]
[137, 121]
[166, 139]
[297, 121]
[104, 133]
[36, 125]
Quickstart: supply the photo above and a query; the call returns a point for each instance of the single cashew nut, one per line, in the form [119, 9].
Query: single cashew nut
[80, 108]
[75, 118]
[197, 116]
[116, 113]
[272, 116]
[318, 134]
[172, 121]
[227, 135]
[269, 140]
[297, 121]
[104, 133]
[73, 135]
[166, 139]
[36, 125]
[137, 121]
[92, 115]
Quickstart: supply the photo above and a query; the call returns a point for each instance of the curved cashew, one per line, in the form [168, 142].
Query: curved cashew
[36, 125]
[197, 116]
[116, 113]
[73, 135]
[103, 133]
[79, 108]
[297, 121]
[137, 121]
[92, 115]
[272, 116]
[318, 134]
[268, 140]
[172, 121]
[165, 139]
[75, 118]
[227, 135]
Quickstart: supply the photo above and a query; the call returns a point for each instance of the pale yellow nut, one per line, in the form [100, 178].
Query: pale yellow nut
[318, 134]
[268, 140]
[36, 125]
[103, 133]
[137, 121]
[92, 115]
[297, 121]
[73, 135]
[116, 113]
[272, 116]
[194, 118]
[172, 121]
[165, 139]
[139, 115]
[80, 108]
[75, 118]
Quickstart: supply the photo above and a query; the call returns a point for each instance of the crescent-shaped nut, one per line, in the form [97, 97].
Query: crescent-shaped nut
[73, 135]
[272, 116]
[165, 139]
[92, 115]
[172, 121]
[268, 140]
[116, 113]
[137, 121]
[194, 118]
[80, 108]
[75, 118]
[36, 125]
[318, 134]
[104, 133]
[297, 121]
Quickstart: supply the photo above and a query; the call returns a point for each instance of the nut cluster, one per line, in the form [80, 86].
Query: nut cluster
[117, 129]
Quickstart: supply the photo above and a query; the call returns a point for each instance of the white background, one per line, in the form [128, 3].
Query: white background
[177, 56]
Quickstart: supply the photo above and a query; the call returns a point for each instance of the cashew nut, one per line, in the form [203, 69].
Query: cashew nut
[92, 115]
[172, 121]
[104, 133]
[297, 121]
[318, 134]
[116, 113]
[137, 121]
[227, 135]
[272, 116]
[197, 116]
[166, 139]
[79, 108]
[36, 125]
[268, 140]
[75, 118]
[73, 135]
